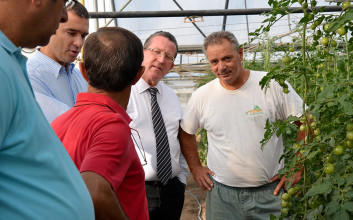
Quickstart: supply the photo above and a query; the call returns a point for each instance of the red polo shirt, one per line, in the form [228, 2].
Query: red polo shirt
[97, 135]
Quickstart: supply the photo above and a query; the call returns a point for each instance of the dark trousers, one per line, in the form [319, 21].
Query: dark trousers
[165, 202]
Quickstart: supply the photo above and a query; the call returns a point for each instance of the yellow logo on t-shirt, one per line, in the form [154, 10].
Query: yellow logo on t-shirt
[256, 111]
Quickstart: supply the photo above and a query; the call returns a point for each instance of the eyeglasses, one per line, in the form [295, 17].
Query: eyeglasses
[69, 4]
[159, 53]
[135, 133]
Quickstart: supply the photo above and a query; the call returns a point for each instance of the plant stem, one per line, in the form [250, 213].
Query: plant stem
[347, 63]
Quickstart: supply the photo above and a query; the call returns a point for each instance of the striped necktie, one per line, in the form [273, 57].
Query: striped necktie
[164, 166]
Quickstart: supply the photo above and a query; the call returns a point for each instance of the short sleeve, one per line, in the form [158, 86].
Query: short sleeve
[108, 152]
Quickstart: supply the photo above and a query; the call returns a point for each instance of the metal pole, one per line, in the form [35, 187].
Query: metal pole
[187, 13]
[225, 16]
[122, 8]
[247, 22]
[190, 19]
[95, 8]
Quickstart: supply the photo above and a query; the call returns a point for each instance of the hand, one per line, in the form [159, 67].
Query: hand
[283, 181]
[201, 176]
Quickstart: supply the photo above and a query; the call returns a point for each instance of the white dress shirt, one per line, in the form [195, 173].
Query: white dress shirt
[139, 109]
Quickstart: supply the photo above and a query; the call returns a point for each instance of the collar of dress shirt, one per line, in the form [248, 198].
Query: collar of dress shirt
[142, 86]
[51, 66]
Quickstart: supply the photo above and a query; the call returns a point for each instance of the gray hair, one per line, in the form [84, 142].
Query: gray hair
[165, 34]
[218, 37]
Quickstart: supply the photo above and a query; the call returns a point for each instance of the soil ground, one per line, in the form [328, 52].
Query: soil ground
[191, 207]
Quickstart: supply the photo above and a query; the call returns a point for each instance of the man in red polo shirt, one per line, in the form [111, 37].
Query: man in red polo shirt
[96, 130]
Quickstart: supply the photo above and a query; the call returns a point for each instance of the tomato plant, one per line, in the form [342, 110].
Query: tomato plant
[320, 72]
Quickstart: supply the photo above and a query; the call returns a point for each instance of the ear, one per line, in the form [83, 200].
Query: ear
[83, 70]
[36, 2]
[171, 67]
[138, 75]
[241, 52]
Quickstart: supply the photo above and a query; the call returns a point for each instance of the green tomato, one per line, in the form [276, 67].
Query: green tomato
[302, 128]
[285, 90]
[324, 41]
[310, 17]
[304, 5]
[327, 27]
[341, 31]
[285, 211]
[286, 197]
[349, 135]
[291, 49]
[292, 191]
[286, 59]
[349, 127]
[329, 159]
[297, 146]
[313, 124]
[313, 204]
[329, 169]
[317, 174]
[317, 22]
[313, 3]
[333, 43]
[311, 117]
[297, 188]
[313, 26]
[300, 1]
[284, 204]
[346, 5]
[349, 144]
[317, 132]
[338, 150]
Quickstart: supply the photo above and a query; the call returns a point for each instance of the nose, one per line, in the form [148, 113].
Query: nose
[79, 41]
[162, 58]
[64, 15]
[222, 66]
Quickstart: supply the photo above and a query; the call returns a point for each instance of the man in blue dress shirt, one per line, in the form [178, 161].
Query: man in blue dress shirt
[38, 179]
[54, 78]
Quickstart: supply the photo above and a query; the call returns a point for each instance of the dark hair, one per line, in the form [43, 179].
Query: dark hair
[112, 57]
[79, 10]
[165, 34]
[218, 37]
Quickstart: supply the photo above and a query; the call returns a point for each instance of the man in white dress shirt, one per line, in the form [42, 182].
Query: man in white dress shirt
[54, 78]
[165, 201]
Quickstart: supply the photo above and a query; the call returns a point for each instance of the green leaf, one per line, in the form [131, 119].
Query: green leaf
[319, 189]
[348, 16]
[349, 195]
[312, 154]
[333, 207]
[348, 206]
[341, 215]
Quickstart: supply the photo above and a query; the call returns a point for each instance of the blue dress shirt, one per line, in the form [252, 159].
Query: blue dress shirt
[54, 85]
[38, 179]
